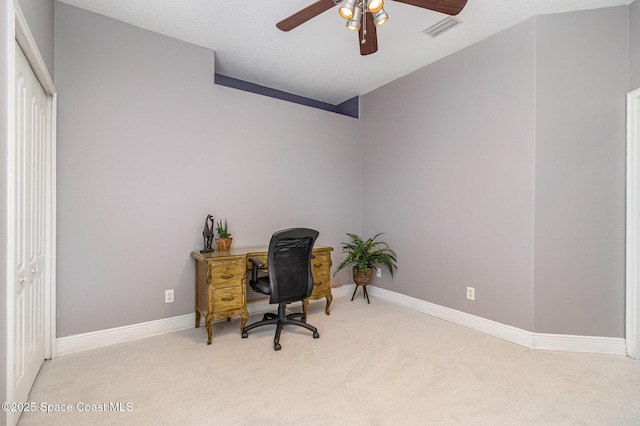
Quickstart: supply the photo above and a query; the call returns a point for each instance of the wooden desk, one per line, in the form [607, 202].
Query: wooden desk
[221, 282]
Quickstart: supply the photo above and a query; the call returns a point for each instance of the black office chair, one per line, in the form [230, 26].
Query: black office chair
[289, 278]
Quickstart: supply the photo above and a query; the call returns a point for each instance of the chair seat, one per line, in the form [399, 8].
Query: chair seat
[261, 285]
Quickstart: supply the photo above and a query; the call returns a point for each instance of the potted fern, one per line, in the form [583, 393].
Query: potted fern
[363, 255]
[223, 242]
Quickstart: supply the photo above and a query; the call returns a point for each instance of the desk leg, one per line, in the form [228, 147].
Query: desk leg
[197, 318]
[305, 304]
[209, 321]
[245, 317]
[329, 300]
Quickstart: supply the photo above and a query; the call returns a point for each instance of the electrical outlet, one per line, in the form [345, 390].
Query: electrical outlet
[168, 296]
[379, 272]
[471, 293]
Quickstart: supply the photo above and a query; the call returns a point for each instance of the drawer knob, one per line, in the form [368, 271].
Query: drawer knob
[228, 299]
[226, 276]
[318, 283]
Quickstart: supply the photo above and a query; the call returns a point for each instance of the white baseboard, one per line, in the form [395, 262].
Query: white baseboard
[95, 339]
[554, 342]
[591, 344]
[542, 341]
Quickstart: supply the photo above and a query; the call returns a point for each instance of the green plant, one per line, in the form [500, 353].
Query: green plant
[222, 229]
[365, 254]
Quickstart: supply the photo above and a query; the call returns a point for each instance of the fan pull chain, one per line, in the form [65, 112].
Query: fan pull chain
[364, 22]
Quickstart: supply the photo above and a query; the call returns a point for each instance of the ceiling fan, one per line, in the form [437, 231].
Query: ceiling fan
[365, 15]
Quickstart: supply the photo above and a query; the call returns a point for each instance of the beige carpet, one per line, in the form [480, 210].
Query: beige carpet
[377, 364]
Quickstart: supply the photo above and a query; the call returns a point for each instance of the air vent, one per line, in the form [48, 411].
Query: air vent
[436, 29]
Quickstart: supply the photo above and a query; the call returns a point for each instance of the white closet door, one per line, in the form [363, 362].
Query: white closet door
[33, 122]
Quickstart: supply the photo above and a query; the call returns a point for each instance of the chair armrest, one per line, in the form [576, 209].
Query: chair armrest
[256, 262]
[256, 265]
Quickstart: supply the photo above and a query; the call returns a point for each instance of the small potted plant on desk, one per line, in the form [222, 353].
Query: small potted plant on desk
[363, 256]
[223, 242]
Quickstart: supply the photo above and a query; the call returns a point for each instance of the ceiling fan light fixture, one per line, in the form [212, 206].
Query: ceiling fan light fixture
[366, 15]
[353, 24]
[380, 17]
[347, 8]
[375, 5]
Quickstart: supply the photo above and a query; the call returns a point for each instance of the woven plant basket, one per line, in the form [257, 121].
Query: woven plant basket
[362, 276]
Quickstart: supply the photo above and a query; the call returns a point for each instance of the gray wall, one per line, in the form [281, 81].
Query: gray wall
[148, 146]
[581, 79]
[634, 46]
[448, 175]
[501, 167]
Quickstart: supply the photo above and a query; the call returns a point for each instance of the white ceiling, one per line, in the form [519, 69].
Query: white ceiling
[321, 59]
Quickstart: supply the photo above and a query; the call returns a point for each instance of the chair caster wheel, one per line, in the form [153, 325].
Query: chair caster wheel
[316, 335]
[277, 347]
[245, 334]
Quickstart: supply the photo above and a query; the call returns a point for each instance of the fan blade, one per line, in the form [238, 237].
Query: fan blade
[449, 7]
[370, 44]
[305, 14]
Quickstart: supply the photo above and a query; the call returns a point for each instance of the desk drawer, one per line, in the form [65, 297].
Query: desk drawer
[321, 281]
[321, 262]
[319, 265]
[227, 273]
[226, 299]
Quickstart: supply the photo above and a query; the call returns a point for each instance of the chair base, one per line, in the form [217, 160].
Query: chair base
[281, 319]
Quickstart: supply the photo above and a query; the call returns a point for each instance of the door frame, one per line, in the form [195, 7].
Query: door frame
[28, 45]
[632, 329]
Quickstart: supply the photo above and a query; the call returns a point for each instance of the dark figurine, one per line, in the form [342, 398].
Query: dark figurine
[207, 235]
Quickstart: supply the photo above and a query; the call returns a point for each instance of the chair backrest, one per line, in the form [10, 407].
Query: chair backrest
[289, 264]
